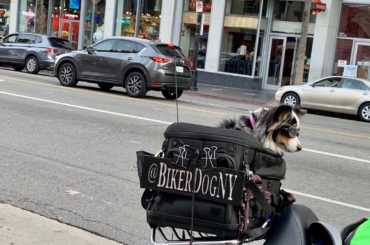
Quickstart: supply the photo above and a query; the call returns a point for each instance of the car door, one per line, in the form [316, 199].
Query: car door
[320, 95]
[349, 95]
[6, 49]
[124, 53]
[22, 46]
[95, 64]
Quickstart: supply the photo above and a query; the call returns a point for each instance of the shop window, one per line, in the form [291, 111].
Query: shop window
[150, 18]
[243, 7]
[290, 11]
[354, 21]
[237, 51]
[187, 38]
[4, 17]
[33, 15]
[94, 22]
[342, 55]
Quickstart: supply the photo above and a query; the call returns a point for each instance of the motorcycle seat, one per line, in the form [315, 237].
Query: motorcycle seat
[292, 227]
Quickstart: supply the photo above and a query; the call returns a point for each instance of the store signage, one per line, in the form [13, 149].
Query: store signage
[199, 6]
[342, 63]
[350, 71]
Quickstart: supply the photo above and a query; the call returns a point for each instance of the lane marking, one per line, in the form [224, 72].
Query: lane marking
[329, 200]
[85, 90]
[87, 108]
[167, 123]
[337, 155]
[337, 132]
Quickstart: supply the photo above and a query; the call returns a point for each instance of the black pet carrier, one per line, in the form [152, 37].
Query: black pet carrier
[211, 180]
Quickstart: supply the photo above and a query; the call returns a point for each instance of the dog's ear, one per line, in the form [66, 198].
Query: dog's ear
[300, 112]
[282, 112]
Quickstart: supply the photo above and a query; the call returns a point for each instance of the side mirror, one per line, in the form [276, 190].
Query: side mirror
[90, 50]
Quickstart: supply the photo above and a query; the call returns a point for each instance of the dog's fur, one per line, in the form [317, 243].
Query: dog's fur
[269, 127]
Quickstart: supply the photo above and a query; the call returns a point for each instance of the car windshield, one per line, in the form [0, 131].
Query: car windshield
[171, 51]
[60, 43]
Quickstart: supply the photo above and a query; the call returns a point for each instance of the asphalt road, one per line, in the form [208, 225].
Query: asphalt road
[67, 154]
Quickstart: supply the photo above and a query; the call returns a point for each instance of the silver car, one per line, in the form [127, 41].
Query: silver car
[138, 65]
[335, 93]
[33, 52]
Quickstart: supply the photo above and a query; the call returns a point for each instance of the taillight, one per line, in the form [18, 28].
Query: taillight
[51, 50]
[159, 60]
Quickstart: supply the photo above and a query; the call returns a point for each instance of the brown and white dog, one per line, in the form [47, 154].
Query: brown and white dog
[276, 128]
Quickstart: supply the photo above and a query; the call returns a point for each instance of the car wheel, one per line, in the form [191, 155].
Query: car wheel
[32, 65]
[18, 67]
[291, 99]
[105, 86]
[67, 75]
[135, 84]
[364, 112]
[171, 94]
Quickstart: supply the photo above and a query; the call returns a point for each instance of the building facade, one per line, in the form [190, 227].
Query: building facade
[243, 43]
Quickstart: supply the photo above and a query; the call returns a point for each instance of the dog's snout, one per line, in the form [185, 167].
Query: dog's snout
[299, 147]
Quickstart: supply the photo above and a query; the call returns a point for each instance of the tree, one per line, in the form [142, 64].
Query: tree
[299, 68]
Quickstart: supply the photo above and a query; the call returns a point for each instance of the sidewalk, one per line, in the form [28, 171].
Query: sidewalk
[260, 98]
[20, 227]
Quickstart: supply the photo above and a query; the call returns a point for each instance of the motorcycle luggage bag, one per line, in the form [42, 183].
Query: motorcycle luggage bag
[233, 149]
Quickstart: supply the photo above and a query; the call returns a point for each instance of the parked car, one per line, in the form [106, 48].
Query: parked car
[32, 51]
[335, 93]
[139, 65]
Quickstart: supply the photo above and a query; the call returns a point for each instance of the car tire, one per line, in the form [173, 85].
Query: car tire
[364, 112]
[18, 67]
[32, 65]
[291, 99]
[105, 86]
[135, 84]
[67, 75]
[171, 94]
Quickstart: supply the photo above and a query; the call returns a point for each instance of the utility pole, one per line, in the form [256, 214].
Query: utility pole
[298, 75]
[199, 11]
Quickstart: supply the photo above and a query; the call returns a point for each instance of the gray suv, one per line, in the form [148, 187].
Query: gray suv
[139, 65]
[32, 51]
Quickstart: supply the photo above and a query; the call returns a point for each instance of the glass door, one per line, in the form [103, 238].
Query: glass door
[69, 30]
[273, 77]
[361, 58]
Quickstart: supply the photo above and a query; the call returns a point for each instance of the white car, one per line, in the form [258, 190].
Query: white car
[335, 94]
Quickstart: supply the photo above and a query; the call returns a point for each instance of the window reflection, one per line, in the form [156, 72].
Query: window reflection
[355, 21]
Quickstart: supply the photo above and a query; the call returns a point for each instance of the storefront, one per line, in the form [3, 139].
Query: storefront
[4, 17]
[353, 41]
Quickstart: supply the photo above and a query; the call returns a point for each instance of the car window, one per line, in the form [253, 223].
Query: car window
[104, 46]
[124, 46]
[10, 39]
[38, 39]
[60, 43]
[26, 38]
[353, 84]
[328, 82]
[171, 51]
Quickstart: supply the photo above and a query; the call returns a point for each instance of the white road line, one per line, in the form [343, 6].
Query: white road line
[167, 123]
[87, 108]
[329, 200]
[336, 155]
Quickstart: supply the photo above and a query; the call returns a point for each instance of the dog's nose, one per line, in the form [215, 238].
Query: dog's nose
[299, 148]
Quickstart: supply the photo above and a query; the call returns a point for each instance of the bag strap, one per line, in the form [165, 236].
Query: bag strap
[261, 200]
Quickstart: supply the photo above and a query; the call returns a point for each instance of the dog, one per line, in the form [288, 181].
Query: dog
[276, 128]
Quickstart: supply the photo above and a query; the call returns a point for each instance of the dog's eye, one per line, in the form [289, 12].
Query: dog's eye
[289, 131]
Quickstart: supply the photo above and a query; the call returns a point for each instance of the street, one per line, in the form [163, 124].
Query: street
[69, 154]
